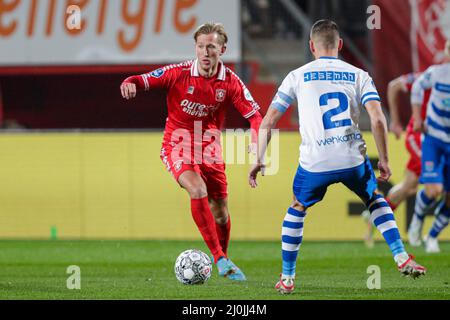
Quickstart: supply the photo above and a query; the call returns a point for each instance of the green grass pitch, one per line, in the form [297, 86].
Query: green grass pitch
[144, 270]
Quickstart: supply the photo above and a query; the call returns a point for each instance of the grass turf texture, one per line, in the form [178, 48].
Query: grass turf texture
[144, 270]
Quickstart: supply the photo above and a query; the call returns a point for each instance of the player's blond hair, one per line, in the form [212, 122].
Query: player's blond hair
[325, 32]
[447, 48]
[212, 27]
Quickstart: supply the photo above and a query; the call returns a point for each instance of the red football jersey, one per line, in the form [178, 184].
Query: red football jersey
[408, 80]
[195, 101]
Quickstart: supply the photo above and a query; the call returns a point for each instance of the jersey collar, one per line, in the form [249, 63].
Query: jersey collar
[325, 57]
[220, 75]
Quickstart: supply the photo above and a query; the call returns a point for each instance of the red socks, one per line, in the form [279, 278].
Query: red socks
[223, 233]
[205, 222]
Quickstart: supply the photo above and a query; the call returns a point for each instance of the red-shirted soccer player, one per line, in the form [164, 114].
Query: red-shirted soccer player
[408, 186]
[198, 94]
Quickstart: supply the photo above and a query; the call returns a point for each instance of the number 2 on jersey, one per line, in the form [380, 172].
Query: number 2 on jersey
[342, 107]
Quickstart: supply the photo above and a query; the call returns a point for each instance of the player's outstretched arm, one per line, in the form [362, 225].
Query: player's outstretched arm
[395, 87]
[268, 123]
[379, 131]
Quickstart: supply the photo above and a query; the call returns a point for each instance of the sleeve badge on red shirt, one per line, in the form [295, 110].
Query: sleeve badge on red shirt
[220, 95]
[158, 73]
[247, 94]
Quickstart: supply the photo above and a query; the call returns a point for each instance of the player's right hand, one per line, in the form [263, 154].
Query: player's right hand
[254, 173]
[396, 129]
[128, 90]
[385, 171]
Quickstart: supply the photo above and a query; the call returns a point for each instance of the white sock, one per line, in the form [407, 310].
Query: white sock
[287, 277]
[401, 258]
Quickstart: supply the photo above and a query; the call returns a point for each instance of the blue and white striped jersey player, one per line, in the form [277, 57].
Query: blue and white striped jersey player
[435, 151]
[330, 94]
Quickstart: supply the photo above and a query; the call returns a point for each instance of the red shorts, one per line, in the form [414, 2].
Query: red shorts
[413, 145]
[212, 173]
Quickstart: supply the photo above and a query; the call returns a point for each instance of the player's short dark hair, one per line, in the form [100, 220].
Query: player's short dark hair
[212, 27]
[326, 32]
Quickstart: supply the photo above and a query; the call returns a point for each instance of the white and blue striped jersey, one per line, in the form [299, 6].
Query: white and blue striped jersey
[330, 94]
[437, 78]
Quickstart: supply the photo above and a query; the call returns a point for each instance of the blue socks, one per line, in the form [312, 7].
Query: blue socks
[291, 239]
[383, 218]
[441, 220]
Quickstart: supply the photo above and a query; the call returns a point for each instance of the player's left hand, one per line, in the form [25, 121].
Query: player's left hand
[385, 171]
[396, 129]
[254, 173]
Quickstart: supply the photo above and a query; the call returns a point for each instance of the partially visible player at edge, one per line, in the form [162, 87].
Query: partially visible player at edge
[435, 150]
[330, 94]
[408, 186]
[198, 94]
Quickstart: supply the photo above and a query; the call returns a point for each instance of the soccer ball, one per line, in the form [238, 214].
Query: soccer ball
[193, 267]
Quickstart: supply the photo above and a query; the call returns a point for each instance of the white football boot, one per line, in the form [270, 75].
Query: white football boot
[431, 245]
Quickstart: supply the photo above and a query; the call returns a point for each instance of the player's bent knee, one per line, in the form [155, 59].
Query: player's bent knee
[434, 194]
[433, 191]
[297, 205]
[197, 192]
